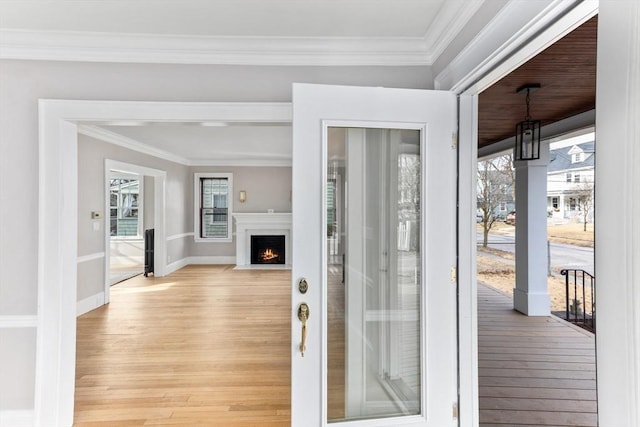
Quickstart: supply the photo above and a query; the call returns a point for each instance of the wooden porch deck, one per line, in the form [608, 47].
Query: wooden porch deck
[533, 371]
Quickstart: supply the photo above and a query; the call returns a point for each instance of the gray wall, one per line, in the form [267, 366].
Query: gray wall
[92, 154]
[22, 83]
[266, 187]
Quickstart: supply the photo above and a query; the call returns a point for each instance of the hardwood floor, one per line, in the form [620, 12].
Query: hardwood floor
[204, 346]
[336, 345]
[209, 346]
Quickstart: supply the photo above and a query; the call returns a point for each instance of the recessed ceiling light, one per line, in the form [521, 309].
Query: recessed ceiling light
[214, 124]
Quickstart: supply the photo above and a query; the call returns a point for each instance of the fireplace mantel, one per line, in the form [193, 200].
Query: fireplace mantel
[260, 224]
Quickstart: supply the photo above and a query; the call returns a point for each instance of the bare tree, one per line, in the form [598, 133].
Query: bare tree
[495, 185]
[585, 199]
[510, 173]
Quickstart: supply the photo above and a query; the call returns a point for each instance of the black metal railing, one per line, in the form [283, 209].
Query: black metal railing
[580, 298]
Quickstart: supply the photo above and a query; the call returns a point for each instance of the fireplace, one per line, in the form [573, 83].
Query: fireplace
[267, 249]
[255, 224]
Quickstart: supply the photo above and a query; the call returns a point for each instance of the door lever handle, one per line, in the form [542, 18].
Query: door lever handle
[303, 315]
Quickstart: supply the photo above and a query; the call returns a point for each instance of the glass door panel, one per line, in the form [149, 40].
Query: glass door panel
[374, 273]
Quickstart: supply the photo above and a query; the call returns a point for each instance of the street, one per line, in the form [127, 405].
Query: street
[562, 256]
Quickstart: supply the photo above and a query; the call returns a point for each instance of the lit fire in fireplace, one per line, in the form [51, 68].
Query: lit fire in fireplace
[269, 255]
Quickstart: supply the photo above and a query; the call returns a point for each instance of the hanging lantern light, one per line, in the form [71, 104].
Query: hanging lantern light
[528, 131]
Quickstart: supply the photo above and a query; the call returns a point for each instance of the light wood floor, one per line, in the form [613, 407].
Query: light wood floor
[204, 346]
[209, 346]
[533, 371]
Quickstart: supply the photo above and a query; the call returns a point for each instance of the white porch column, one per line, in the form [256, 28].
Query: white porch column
[530, 295]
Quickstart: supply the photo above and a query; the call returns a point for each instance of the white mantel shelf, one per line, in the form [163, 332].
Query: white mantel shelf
[261, 218]
[260, 224]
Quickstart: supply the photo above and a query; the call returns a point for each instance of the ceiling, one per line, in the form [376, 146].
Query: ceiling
[208, 143]
[229, 18]
[566, 72]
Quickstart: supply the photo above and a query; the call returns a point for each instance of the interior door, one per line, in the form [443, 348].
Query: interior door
[374, 338]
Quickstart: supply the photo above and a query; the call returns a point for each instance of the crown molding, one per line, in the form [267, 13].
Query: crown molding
[242, 162]
[145, 48]
[131, 144]
[242, 50]
[451, 19]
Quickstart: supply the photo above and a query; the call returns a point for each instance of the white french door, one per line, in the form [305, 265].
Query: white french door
[374, 338]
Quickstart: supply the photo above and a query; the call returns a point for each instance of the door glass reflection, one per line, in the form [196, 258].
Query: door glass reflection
[374, 273]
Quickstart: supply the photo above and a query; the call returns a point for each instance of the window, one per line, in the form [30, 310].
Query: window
[124, 207]
[554, 203]
[503, 206]
[576, 177]
[213, 207]
[572, 204]
[577, 158]
[569, 177]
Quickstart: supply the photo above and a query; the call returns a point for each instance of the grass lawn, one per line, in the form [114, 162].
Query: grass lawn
[571, 233]
[496, 268]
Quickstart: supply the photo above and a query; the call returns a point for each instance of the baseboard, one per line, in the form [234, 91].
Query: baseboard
[199, 260]
[175, 266]
[88, 304]
[212, 260]
[17, 418]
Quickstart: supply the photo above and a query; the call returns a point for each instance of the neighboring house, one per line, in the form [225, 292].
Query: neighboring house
[498, 196]
[570, 181]
[124, 207]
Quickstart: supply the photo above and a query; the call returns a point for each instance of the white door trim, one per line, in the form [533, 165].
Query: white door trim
[159, 211]
[57, 226]
[477, 67]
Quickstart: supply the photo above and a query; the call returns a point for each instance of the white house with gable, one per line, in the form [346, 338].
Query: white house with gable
[570, 180]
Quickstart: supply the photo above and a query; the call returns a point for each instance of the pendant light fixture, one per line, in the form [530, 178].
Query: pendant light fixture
[528, 131]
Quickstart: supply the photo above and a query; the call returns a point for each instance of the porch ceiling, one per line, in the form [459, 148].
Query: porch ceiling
[566, 72]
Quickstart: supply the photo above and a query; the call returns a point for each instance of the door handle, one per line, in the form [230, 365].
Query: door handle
[303, 315]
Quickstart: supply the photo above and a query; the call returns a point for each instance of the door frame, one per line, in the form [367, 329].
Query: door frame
[514, 36]
[59, 121]
[159, 211]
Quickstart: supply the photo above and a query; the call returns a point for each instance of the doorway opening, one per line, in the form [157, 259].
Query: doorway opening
[126, 225]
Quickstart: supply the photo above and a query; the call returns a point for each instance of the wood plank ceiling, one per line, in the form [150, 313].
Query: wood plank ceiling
[566, 72]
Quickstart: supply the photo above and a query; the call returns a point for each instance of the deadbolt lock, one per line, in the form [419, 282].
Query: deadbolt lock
[303, 286]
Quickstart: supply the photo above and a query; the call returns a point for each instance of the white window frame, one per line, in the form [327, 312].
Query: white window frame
[196, 207]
